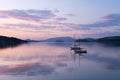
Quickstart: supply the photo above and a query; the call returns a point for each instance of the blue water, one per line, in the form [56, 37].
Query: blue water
[55, 61]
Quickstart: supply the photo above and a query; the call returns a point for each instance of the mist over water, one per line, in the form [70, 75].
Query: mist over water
[55, 61]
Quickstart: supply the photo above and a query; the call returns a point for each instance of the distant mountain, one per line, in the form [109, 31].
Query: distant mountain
[59, 39]
[10, 41]
[29, 40]
[69, 39]
[111, 39]
[86, 40]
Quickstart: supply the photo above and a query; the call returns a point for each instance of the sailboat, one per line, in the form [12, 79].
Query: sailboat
[78, 49]
[75, 47]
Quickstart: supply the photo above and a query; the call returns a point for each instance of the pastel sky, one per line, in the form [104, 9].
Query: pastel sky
[41, 19]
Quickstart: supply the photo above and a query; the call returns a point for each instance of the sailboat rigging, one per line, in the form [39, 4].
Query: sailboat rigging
[76, 48]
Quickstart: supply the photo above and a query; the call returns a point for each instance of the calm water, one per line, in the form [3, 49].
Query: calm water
[55, 61]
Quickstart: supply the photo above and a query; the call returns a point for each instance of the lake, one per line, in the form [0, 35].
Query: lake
[55, 61]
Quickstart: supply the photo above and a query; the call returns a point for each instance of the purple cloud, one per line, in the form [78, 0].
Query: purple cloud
[99, 27]
[61, 19]
[70, 15]
[28, 15]
[47, 19]
[106, 21]
[27, 27]
[56, 10]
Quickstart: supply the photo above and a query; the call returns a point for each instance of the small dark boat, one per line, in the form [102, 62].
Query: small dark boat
[76, 47]
[80, 51]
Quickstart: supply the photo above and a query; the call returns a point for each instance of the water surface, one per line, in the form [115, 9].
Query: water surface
[55, 61]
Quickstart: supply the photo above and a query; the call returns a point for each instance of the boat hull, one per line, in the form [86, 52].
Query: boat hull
[80, 51]
[75, 48]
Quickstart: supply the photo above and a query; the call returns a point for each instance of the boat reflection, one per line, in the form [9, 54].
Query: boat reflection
[78, 52]
[78, 49]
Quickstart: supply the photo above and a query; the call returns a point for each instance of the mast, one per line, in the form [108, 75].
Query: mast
[74, 40]
[74, 37]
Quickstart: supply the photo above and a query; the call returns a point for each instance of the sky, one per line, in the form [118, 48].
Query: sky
[42, 19]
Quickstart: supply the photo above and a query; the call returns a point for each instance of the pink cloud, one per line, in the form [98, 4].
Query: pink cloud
[27, 15]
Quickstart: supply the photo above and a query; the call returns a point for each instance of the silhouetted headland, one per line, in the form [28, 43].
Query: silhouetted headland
[55, 39]
[112, 40]
[10, 41]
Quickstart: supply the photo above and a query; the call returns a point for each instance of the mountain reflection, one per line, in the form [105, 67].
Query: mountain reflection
[108, 63]
[41, 59]
[43, 65]
[29, 69]
[10, 45]
[33, 59]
